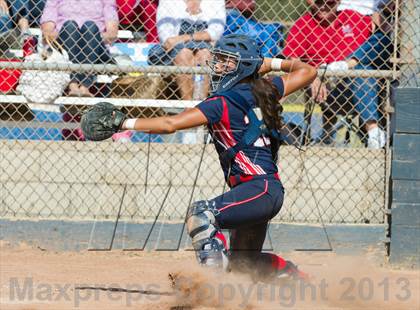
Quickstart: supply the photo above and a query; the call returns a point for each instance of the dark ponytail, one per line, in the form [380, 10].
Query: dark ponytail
[267, 97]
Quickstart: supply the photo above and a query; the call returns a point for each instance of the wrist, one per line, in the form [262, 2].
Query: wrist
[276, 64]
[129, 124]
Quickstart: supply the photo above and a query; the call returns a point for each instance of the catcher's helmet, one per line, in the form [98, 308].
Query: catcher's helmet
[241, 49]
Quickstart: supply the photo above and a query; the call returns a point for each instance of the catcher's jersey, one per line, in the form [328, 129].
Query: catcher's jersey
[227, 122]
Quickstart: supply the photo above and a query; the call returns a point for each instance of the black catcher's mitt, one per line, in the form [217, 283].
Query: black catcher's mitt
[101, 121]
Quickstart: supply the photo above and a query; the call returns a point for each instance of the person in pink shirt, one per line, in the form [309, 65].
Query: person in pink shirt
[132, 12]
[84, 28]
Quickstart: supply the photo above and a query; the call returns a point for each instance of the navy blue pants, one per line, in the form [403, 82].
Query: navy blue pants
[84, 46]
[246, 210]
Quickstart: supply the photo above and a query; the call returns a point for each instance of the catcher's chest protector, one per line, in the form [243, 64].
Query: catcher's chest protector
[255, 129]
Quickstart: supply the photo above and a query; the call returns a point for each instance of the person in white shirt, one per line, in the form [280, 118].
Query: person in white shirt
[365, 7]
[186, 30]
[375, 8]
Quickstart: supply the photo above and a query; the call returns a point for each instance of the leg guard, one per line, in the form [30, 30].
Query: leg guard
[201, 226]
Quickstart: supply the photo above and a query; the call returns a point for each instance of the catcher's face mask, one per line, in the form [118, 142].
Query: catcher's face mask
[222, 65]
[235, 57]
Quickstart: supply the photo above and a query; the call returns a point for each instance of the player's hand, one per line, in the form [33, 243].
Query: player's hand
[170, 43]
[173, 41]
[109, 37]
[319, 91]
[50, 36]
[101, 121]
[266, 66]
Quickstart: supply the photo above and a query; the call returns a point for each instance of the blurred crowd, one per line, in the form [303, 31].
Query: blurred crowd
[340, 36]
[332, 35]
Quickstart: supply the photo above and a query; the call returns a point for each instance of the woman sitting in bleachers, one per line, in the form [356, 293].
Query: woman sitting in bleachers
[14, 23]
[84, 31]
[186, 29]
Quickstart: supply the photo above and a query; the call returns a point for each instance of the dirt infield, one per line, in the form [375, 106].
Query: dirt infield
[32, 278]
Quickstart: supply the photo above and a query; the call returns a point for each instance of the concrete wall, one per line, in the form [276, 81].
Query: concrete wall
[70, 180]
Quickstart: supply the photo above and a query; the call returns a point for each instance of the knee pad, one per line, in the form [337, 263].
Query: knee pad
[202, 228]
[201, 223]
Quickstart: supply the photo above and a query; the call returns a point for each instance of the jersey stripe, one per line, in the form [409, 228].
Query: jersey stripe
[225, 133]
[224, 139]
[257, 168]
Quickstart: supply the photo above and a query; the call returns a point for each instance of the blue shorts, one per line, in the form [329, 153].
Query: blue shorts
[159, 56]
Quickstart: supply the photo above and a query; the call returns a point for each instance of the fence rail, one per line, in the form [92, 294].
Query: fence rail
[106, 68]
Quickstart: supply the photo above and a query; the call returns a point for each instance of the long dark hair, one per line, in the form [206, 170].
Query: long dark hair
[267, 97]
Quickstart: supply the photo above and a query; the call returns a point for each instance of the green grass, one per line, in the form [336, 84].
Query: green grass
[299, 108]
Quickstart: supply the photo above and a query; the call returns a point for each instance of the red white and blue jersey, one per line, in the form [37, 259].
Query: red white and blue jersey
[227, 122]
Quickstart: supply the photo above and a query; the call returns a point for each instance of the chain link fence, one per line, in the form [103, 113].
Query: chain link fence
[149, 58]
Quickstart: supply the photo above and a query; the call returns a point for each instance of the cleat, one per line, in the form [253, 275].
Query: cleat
[213, 254]
[292, 272]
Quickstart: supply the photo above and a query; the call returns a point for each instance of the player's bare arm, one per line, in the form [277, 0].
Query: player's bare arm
[299, 74]
[189, 118]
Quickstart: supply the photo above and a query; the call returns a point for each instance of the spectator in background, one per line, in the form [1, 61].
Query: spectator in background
[84, 28]
[326, 36]
[143, 12]
[5, 18]
[240, 20]
[13, 13]
[186, 31]
[367, 7]
[377, 50]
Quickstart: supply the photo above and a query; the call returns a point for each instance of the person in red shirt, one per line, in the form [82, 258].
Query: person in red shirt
[143, 11]
[324, 36]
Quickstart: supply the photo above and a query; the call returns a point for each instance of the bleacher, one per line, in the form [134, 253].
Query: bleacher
[129, 52]
[46, 119]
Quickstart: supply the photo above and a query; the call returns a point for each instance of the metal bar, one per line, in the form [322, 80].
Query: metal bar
[193, 188]
[304, 170]
[107, 68]
[154, 223]
[388, 158]
[396, 36]
[124, 290]
[157, 103]
[111, 244]
[100, 68]
[36, 124]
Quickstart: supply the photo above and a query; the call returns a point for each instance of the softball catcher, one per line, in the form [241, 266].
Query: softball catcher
[243, 117]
